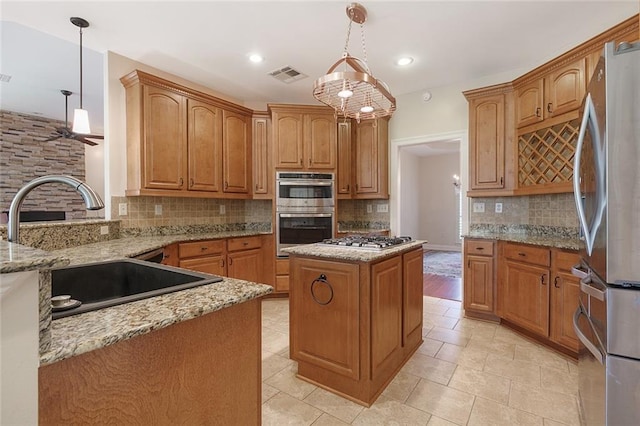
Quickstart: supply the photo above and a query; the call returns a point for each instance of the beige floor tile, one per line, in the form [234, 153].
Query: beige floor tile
[468, 357]
[430, 368]
[544, 403]
[559, 381]
[430, 347]
[448, 336]
[333, 404]
[283, 409]
[454, 313]
[504, 350]
[450, 303]
[437, 421]
[503, 334]
[287, 382]
[327, 420]
[285, 352]
[274, 341]
[430, 309]
[448, 403]
[486, 412]
[549, 422]
[391, 412]
[273, 364]
[268, 392]
[524, 372]
[430, 300]
[281, 326]
[439, 321]
[401, 386]
[426, 328]
[482, 384]
[541, 356]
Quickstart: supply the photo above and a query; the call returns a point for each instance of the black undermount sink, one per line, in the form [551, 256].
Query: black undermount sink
[104, 284]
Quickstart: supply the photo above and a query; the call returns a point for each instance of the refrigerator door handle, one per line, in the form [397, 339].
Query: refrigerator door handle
[588, 110]
[591, 290]
[583, 339]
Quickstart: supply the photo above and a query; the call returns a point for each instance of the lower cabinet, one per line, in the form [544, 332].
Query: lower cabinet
[204, 256]
[565, 292]
[282, 275]
[479, 282]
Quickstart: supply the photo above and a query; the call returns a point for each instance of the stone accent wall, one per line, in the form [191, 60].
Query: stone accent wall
[24, 156]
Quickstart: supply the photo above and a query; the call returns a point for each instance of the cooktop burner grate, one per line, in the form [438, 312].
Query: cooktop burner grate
[367, 242]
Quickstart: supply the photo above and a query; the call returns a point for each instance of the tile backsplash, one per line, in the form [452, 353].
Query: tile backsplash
[353, 214]
[553, 210]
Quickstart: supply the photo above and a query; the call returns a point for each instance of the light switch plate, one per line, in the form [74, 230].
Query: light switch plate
[104, 230]
[498, 207]
[383, 208]
[223, 210]
[478, 207]
[122, 209]
[158, 209]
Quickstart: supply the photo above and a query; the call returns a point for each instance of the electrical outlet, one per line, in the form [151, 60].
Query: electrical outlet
[369, 208]
[498, 207]
[382, 208]
[478, 207]
[223, 210]
[158, 209]
[104, 230]
[122, 209]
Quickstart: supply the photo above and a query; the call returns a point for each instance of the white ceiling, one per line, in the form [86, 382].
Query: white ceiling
[207, 42]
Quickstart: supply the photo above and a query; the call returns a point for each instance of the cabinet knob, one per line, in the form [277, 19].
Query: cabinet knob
[549, 105]
[203, 248]
[230, 261]
[191, 182]
[555, 282]
[522, 254]
[181, 182]
[347, 187]
[301, 162]
[542, 280]
[222, 263]
[538, 112]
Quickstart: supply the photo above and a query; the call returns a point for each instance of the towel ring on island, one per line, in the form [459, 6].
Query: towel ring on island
[323, 280]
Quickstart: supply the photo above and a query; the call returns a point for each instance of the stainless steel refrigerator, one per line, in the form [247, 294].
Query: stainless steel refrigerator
[607, 191]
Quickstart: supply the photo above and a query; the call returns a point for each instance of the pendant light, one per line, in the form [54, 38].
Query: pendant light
[354, 92]
[80, 115]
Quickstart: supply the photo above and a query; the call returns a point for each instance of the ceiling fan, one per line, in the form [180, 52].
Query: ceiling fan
[66, 133]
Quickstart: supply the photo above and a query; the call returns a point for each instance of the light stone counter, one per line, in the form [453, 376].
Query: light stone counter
[354, 254]
[562, 242]
[17, 258]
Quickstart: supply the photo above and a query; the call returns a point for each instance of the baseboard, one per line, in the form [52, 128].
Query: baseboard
[440, 247]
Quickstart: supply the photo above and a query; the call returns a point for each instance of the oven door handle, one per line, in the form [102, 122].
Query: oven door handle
[305, 214]
[305, 183]
[583, 339]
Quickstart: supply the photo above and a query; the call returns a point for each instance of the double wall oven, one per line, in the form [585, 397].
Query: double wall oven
[305, 208]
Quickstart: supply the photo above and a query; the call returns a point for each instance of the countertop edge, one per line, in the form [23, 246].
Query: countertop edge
[324, 251]
[547, 241]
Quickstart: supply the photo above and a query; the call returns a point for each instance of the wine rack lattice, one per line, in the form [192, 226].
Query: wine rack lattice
[546, 155]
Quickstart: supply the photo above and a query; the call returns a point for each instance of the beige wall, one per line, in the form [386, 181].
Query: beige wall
[410, 190]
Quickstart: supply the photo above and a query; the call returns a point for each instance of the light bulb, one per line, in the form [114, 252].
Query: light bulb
[81, 121]
[345, 92]
[366, 108]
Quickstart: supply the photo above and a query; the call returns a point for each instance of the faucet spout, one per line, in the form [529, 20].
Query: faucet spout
[90, 197]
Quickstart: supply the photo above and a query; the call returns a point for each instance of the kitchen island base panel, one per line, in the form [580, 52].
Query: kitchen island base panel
[202, 371]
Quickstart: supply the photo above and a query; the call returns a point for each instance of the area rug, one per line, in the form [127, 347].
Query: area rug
[445, 263]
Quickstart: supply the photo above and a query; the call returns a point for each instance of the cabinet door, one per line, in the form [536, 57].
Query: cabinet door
[412, 280]
[262, 169]
[205, 146]
[386, 315]
[343, 178]
[288, 140]
[529, 102]
[236, 151]
[478, 284]
[565, 88]
[165, 148]
[526, 302]
[564, 302]
[486, 142]
[320, 141]
[324, 310]
[208, 264]
[371, 162]
[245, 265]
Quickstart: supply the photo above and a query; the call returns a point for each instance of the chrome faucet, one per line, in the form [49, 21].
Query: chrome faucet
[91, 199]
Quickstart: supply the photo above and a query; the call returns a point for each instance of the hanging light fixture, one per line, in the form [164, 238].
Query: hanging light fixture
[354, 92]
[80, 115]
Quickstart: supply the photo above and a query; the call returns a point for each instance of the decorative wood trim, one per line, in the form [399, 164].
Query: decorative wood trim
[303, 109]
[497, 89]
[491, 193]
[549, 122]
[137, 76]
[628, 26]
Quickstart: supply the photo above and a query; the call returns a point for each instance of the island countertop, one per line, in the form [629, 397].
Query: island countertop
[353, 254]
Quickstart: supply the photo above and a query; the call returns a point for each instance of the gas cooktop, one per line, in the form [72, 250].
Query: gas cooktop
[364, 242]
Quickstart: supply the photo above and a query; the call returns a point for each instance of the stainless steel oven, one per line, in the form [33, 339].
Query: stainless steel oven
[304, 208]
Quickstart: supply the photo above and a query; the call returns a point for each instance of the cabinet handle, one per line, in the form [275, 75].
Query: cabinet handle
[356, 186]
[191, 182]
[230, 261]
[538, 112]
[347, 187]
[549, 107]
[522, 254]
[555, 282]
[301, 162]
[322, 279]
[309, 161]
[501, 181]
[256, 186]
[246, 243]
[542, 280]
[226, 184]
[204, 248]
[222, 263]
[181, 182]
[480, 248]
[468, 263]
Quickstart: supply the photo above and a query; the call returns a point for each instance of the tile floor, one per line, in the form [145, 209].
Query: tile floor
[466, 372]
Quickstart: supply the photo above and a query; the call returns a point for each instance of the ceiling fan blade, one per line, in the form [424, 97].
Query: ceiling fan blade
[94, 136]
[53, 138]
[82, 139]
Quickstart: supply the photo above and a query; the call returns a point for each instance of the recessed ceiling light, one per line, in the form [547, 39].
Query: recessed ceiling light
[404, 61]
[255, 58]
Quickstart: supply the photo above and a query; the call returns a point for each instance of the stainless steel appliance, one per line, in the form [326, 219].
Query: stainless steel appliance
[304, 208]
[376, 242]
[607, 192]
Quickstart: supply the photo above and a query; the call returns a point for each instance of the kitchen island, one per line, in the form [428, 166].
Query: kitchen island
[355, 315]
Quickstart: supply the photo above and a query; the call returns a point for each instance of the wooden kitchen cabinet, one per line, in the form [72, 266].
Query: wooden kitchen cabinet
[304, 137]
[371, 159]
[263, 173]
[564, 298]
[184, 143]
[170, 255]
[204, 256]
[491, 139]
[345, 165]
[245, 258]
[282, 275]
[412, 300]
[479, 279]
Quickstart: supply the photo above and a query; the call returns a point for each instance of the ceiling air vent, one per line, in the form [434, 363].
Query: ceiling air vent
[287, 74]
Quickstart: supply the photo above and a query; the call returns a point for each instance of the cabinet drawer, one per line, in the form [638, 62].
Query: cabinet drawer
[201, 248]
[244, 243]
[564, 260]
[478, 247]
[529, 254]
[282, 266]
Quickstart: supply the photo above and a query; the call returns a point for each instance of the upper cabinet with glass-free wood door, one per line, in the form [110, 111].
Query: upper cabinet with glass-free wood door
[304, 137]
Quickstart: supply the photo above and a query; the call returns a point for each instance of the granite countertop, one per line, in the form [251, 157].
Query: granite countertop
[17, 258]
[353, 254]
[524, 238]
